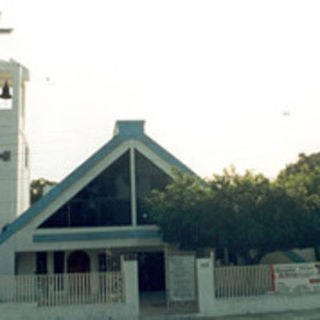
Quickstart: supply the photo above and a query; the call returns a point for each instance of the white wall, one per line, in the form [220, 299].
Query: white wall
[26, 263]
[210, 306]
[119, 311]
[7, 257]
[130, 271]
[14, 184]
[205, 284]
[129, 309]
[262, 304]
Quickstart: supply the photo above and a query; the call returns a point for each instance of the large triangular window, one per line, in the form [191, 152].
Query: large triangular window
[105, 201]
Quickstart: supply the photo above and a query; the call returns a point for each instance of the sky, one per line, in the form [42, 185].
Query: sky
[217, 82]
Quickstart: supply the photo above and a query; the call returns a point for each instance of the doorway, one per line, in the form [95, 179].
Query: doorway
[78, 268]
[78, 262]
[151, 266]
[151, 271]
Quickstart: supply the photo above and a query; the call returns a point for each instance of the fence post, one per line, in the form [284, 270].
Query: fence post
[205, 285]
[131, 289]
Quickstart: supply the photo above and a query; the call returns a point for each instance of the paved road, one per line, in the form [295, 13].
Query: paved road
[290, 315]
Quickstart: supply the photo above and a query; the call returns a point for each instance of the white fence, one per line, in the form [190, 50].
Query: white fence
[242, 281]
[244, 289]
[63, 289]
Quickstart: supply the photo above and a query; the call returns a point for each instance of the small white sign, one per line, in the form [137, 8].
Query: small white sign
[181, 271]
[296, 278]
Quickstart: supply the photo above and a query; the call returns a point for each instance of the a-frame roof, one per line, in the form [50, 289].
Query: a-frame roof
[124, 131]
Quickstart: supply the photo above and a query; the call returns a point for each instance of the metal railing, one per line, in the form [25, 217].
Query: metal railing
[63, 289]
[242, 281]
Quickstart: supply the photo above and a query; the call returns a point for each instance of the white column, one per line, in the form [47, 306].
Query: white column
[131, 287]
[205, 285]
[133, 188]
[7, 254]
[50, 262]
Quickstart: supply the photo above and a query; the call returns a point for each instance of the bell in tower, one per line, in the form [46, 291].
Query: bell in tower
[5, 91]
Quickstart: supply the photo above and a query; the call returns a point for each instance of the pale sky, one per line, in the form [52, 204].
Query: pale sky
[212, 79]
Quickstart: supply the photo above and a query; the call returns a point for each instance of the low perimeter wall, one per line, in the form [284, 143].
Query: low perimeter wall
[209, 305]
[129, 309]
[262, 304]
[119, 311]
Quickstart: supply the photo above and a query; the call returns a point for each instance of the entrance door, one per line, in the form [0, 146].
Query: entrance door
[152, 282]
[79, 276]
[151, 271]
[78, 262]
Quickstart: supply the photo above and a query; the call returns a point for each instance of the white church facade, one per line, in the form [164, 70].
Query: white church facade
[98, 207]
[94, 213]
[89, 241]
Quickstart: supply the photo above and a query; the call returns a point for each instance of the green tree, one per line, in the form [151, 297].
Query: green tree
[37, 188]
[177, 210]
[302, 181]
[248, 215]
[263, 217]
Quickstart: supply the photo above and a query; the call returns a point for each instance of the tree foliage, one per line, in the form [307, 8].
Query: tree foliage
[302, 180]
[249, 215]
[37, 188]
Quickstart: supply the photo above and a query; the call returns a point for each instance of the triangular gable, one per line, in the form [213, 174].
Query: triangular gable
[124, 131]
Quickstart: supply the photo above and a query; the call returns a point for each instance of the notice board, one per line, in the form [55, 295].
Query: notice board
[181, 275]
[296, 278]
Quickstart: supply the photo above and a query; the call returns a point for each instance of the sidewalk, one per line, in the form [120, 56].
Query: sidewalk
[289, 315]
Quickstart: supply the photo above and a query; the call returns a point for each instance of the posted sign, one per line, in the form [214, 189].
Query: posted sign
[181, 272]
[296, 278]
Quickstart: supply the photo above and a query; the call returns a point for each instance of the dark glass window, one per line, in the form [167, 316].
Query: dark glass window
[41, 263]
[102, 262]
[105, 201]
[58, 259]
[109, 263]
[148, 178]
[58, 268]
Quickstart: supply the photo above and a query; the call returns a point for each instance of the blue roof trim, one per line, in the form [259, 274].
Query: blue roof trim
[54, 193]
[107, 235]
[34, 210]
[125, 128]
[165, 155]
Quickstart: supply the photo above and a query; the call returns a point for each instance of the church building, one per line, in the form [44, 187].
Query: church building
[94, 213]
[89, 239]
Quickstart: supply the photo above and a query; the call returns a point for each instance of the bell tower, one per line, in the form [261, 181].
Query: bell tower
[14, 151]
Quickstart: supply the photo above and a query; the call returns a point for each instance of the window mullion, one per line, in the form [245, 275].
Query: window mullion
[133, 188]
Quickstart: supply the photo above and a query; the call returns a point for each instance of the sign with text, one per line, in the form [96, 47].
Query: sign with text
[296, 278]
[181, 275]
